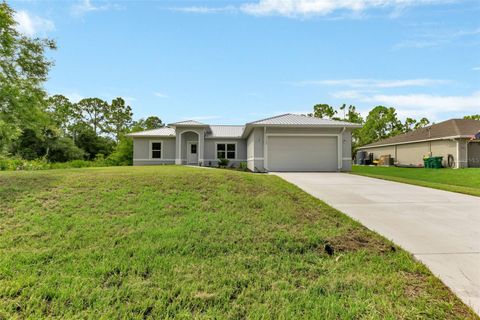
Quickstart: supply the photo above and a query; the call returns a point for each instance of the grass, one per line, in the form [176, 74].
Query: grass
[465, 181]
[178, 242]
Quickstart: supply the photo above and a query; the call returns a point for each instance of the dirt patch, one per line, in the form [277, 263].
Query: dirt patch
[359, 239]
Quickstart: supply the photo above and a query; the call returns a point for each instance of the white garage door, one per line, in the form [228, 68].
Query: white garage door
[302, 153]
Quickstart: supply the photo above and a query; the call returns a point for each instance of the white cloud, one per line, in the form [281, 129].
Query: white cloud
[160, 95]
[294, 8]
[373, 83]
[476, 68]
[86, 6]
[437, 38]
[32, 25]
[409, 105]
[204, 9]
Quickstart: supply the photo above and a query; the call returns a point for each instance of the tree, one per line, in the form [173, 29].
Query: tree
[118, 118]
[23, 70]
[409, 124]
[381, 123]
[422, 123]
[473, 117]
[93, 144]
[94, 113]
[150, 123]
[64, 114]
[323, 111]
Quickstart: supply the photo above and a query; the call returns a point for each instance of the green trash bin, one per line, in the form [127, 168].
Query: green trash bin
[426, 162]
[437, 162]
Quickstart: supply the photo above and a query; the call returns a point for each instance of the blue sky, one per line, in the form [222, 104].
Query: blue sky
[238, 61]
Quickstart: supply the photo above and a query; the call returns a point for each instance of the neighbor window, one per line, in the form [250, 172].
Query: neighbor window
[226, 150]
[156, 150]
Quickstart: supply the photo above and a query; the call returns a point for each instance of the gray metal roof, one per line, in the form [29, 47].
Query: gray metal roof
[219, 131]
[290, 119]
[188, 123]
[160, 132]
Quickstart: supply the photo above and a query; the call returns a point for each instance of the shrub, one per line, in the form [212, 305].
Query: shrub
[223, 162]
[243, 166]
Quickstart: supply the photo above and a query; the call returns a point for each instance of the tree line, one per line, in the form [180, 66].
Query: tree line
[35, 125]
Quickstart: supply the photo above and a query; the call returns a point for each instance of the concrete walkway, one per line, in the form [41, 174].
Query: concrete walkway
[442, 229]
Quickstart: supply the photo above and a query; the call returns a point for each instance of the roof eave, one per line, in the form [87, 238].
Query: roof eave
[414, 141]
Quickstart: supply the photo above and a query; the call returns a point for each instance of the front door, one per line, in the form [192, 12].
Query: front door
[192, 153]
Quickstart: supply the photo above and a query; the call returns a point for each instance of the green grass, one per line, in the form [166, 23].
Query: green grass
[465, 181]
[178, 242]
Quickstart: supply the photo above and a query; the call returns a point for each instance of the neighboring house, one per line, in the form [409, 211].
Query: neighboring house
[450, 139]
[286, 142]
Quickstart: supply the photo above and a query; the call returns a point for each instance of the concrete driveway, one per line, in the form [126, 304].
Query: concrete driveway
[441, 229]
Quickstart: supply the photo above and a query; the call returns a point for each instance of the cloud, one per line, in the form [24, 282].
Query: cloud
[438, 38]
[74, 96]
[204, 9]
[160, 95]
[428, 105]
[303, 8]
[31, 25]
[476, 68]
[373, 83]
[86, 6]
[295, 8]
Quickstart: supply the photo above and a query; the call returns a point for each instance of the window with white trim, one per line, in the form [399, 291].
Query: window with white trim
[156, 150]
[226, 150]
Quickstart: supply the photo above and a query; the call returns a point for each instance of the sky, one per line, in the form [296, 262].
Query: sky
[231, 62]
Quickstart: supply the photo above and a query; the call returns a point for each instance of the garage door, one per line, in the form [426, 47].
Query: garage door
[302, 153]
[474, 155]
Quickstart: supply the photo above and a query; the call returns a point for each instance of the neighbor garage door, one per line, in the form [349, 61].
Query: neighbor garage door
[302, 153]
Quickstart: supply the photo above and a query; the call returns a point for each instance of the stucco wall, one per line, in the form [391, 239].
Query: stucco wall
[211, 151]
[413, 153]
[347, 150]
[141, 151]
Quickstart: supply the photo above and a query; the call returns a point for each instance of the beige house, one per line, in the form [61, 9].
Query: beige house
[287, 142]
[451, 139]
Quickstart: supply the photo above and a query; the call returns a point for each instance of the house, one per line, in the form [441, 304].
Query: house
[454, 140]
[287, 142]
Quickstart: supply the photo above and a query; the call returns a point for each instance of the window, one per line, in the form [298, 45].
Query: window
[193, 149]
[156, 150]
[226, 150]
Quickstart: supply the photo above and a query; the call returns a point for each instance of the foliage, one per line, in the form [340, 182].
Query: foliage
[23, 70]
[223, 162]
[118, 118]
[323, 111]
[381, 123]
[422, 123]
[456, 180]
[149, 123]
[92, 143]
[123, 153]
[19, 164]
[243, 166]
[94, 111]
[177, 242]
[473, 117]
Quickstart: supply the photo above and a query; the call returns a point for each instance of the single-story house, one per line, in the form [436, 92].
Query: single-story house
[454, 140]
[287, 142]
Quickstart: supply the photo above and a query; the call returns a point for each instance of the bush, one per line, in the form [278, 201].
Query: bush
[223, 162]
[243, 166]
[13, 164]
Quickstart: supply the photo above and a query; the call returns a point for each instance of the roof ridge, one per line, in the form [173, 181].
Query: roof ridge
[153, 129]
[455, 126]
[269, 118]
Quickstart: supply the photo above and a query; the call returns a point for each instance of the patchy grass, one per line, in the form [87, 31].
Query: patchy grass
[167, 241]
[465, 181]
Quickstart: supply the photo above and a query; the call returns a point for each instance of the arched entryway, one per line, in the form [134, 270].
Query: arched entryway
[190, 147]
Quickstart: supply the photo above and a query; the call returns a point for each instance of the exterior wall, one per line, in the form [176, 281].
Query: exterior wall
[180, 143]
[413, 153]
[346, 151]
[250, 152]
[141, 151]
[211, 151]
[474, 154]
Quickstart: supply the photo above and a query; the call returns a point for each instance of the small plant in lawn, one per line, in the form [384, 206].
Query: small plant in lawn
[222, 163]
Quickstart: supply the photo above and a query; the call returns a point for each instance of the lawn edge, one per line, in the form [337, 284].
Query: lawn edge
[433, 185]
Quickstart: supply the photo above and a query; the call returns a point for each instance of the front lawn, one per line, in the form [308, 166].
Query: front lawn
[457, 180]
[168, 241]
